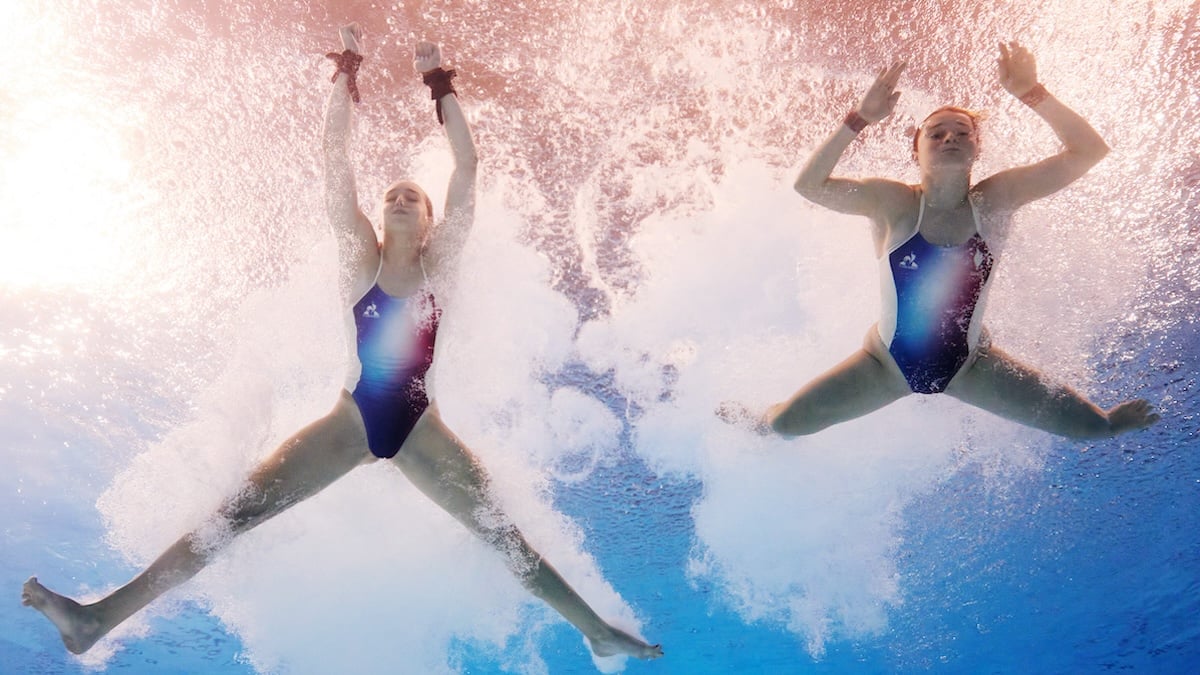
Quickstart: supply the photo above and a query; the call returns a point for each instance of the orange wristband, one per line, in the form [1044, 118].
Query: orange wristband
[1035, 95]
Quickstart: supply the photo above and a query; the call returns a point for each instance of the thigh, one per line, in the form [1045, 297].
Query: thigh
[1002, 385]
[441, 466]
[303, 465]
[865, 381]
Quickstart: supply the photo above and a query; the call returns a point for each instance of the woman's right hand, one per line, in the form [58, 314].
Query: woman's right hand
[880, 100]
[352, 37]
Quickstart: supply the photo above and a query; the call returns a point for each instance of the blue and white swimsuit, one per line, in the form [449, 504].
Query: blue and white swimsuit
[394, 343]
[933, 298]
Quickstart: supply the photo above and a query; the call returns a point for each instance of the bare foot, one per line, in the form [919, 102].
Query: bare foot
[80, 630]
[1131, 415]
[739, 415]
[620, 642]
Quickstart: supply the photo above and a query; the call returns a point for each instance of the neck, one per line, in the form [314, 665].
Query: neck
[400, 250]
[945, 189]
[400, 271]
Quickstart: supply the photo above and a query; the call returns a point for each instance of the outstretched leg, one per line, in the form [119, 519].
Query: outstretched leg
[1000, 384]
[866, 381]
[442, 467]
[307, 462]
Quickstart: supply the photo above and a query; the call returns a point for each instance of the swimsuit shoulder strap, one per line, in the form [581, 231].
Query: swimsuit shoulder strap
[379, 269]
[920, 212]
[975, 216]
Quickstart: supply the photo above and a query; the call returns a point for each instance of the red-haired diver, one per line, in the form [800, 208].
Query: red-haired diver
[931, 240]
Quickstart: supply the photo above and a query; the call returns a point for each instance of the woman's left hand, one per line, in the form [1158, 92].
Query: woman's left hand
[1018, 71]
[426, 57]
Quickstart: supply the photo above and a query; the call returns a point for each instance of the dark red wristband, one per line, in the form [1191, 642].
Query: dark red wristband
[439, 82]
[855, 121]
[347, 62]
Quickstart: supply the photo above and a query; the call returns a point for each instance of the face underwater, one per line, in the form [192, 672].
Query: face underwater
[405, 199]
[947, 136]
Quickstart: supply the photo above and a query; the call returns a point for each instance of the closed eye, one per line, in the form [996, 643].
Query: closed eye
[942, 134]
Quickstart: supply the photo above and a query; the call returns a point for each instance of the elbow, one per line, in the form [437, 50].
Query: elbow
[333, 144]
[1095, 151]
[1084, 157]
[811, 182]
[467, 159]
[466, 165]
[802, 185]
[465, 169]
[807, 188]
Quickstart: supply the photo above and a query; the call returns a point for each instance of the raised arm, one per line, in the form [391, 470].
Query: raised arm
[358, 247]
[1082, 146]
[846, 195]
[448, 239]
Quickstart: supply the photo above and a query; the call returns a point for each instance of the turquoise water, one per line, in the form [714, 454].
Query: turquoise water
[166, 319]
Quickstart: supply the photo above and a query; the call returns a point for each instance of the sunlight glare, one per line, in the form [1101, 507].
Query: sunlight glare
[61, 194]
[66, 196]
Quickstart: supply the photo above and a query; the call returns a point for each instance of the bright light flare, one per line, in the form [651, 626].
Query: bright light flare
[66, 199]
[62, 177]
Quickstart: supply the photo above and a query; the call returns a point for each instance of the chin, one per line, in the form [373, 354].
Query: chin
[952, 162]
[402, 220]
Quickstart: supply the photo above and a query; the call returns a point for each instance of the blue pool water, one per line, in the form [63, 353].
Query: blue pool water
[640, 257]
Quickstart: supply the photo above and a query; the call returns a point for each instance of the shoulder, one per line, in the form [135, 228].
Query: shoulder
[895, 199]
[895, 215]
[361, 270]
[990, 197]
[437, 268]
[890, 187]
[884, 199]
[887, 195]
[993, 215]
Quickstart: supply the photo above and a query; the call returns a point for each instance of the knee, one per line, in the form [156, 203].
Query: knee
[526, 565]
[242, 520]
[245, 511]
[790, 430]
[522, 559]
[790, 423]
